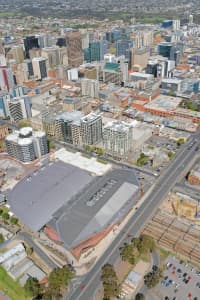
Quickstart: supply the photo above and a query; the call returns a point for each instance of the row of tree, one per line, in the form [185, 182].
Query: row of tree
[110, 282]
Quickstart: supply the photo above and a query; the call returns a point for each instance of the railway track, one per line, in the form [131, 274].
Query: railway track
[175, 235]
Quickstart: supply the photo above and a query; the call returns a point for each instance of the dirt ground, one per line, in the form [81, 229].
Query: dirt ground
[182, 207]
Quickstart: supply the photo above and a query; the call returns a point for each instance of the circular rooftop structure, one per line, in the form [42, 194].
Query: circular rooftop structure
[25, 132]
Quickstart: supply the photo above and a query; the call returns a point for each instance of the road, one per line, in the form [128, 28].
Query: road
[163, 185]
[28, 238]
[106, 158]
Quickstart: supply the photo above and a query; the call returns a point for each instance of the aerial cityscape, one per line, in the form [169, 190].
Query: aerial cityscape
[100, 150]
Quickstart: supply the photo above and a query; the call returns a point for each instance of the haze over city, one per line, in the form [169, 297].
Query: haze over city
[99, 150]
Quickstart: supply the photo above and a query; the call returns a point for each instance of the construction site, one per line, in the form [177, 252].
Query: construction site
[183, 206]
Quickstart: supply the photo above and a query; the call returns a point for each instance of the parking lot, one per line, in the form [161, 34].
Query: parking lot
[181, 281]
[162, 142]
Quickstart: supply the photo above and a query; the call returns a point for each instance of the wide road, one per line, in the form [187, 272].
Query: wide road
[163, 185]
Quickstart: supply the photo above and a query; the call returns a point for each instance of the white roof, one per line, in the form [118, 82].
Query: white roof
[16, 249]
[118, 126]
[25, 130]
[172, 80]
[139, 74]
[25, 141]
[76, 159]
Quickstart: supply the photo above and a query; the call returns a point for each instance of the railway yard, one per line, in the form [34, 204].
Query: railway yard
[176, 235]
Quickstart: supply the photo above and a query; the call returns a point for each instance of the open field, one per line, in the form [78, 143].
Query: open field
[10, 287]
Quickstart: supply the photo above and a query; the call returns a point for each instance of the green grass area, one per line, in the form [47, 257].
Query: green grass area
[151, 20]
[9, 14]
[85, 155]
[145, 257]
[163, 253]
[10, 287]
[101, 161]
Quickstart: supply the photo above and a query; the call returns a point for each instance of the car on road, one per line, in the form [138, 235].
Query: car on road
[82, 287]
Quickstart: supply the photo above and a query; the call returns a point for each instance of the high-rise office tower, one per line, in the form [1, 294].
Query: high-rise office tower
[113, 36]
[176, 24]
[91, 128]
[52, 56]
[29, 66]
[160, 68]
[39, 67]
[74, 49]
[191, 19]
[170, 51]
[85, 40]
[16, 53]
[4, 110]
[112, 73]
[143, 39]
[30, 42]
[19, 108]
[6, 79]
[139, 57]
[96, 51]
[123, 47]
[44, 40]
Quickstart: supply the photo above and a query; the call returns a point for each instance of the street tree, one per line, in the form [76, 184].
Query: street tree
[129, 253]
[5, 216]
[152, 278]
[140, 296]
[59, 279]
[110, 282]
[33, 288]
[13, 221]
[144, 244]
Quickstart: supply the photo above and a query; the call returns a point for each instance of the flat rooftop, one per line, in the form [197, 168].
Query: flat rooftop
[164, 103]
[104, 203]
[38, 196]
[76, 159]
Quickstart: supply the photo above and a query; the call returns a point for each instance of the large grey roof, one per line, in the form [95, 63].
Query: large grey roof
[97, 207]
[37, 197]
[73, 202]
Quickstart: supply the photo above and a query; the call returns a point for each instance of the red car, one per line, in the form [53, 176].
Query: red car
[82, 287]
